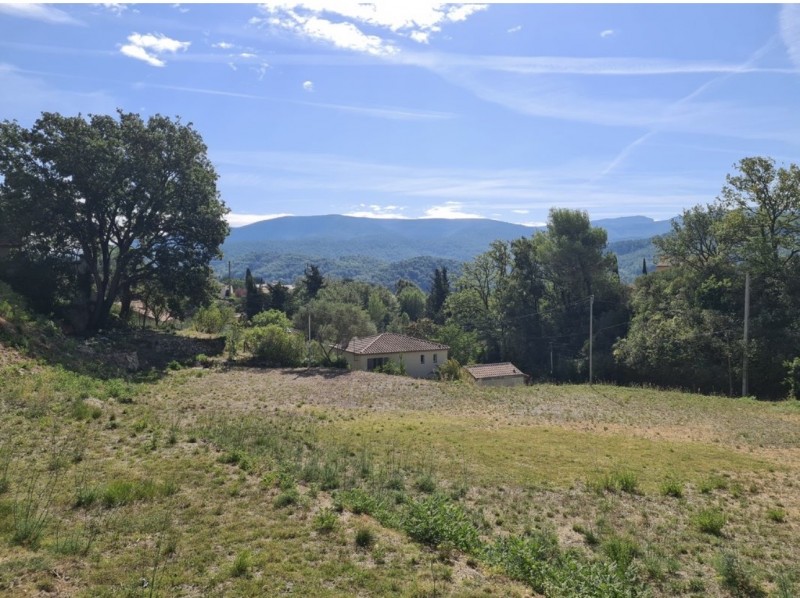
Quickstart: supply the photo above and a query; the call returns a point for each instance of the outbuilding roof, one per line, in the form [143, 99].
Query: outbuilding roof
[493, 370]
[390, 342]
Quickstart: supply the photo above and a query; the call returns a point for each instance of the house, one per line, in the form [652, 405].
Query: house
[496, 374]
[419, 357]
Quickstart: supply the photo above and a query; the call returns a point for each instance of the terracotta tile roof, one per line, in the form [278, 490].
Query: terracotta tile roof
[390, 342]
[493, 370]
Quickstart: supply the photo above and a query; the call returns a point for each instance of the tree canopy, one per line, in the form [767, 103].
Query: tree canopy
[116, 201]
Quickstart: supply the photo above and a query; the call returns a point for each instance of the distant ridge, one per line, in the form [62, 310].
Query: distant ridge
[381, 250]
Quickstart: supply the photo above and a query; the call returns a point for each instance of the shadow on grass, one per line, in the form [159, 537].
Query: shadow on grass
[315, 372]
[138, 355]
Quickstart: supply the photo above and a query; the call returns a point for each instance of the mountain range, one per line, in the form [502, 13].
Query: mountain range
[383, 250]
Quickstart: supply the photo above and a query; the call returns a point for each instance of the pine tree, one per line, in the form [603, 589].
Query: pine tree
[644, 265]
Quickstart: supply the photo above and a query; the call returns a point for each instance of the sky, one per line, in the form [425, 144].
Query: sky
[421, 110]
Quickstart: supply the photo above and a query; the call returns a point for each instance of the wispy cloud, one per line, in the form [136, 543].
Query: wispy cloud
[607, 33]
[678, 110]
[453, 192]
[342, 24]
[242, 219]
[308, 86]
[26, 94]
[115, 8]
[222, 45]
[150, 46]
[790, 31]
[40, 12]
[514, 29]
[391, 113]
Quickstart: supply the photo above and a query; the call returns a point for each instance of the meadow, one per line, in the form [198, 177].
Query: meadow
[218, 480]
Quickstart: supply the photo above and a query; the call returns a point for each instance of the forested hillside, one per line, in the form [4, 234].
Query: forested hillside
[381, 251]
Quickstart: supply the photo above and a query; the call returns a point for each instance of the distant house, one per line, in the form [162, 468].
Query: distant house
[496, 374]
[419, 357]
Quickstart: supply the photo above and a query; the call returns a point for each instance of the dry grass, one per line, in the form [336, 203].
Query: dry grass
[213, 447]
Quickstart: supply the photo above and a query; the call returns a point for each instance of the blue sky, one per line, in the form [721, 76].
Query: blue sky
[424, 110]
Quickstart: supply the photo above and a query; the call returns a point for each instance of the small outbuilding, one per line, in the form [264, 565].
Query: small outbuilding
[496, 374]
[419, 357]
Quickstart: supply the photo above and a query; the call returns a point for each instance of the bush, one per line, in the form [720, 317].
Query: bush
[271, 317]
[214, 318]
[274, 346]
[391, 367]
[364, 537]
[450, 370]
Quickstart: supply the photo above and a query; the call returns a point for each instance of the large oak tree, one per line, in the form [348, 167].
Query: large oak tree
[118, 201]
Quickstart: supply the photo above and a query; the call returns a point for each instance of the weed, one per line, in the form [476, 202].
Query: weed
[436, 520]
[31, 511]
[710, 521]
[286, 498]
[672, 487]
[776, 514]
[326, 521]
[737, 577]
[621, 551]
[242, 564]
[365, 537]
[119, 493]
[617, 481]
[425, 483]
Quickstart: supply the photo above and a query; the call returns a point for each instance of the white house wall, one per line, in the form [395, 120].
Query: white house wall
[411, 361]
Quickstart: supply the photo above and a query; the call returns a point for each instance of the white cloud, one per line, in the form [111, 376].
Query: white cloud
[39, 12]
[514, 29]
[114, 7]
[308, 86]
[248, 55]
[377, 211]
[450, 210]
[520, 211]
[242, 219]
[607, 33]
[179, 8]
[341, 23]
[149, 46]
[222, 45]
[790, 31]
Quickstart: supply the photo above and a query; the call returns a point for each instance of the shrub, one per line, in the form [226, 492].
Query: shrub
[435, 521]
[450, 370]
[214, 318]
[271, 317]
[274, 346]
[286, 498]
[710, 521]
[392, 368]
[364, 537]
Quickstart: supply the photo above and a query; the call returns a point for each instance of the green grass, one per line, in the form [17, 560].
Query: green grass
[245, 482]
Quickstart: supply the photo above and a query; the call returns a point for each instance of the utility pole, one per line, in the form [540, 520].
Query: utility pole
[551, 358]
[591, 334]
[229, 290]
[746, 331]
[309, 339]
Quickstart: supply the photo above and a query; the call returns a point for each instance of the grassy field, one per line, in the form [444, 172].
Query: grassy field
[239, 481]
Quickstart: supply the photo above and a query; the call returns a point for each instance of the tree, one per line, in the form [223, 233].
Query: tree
[313, 281]
[411, 301]
[122, 199]
[644, 266]
[438, 295]
[254, 300]
[334, 323]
